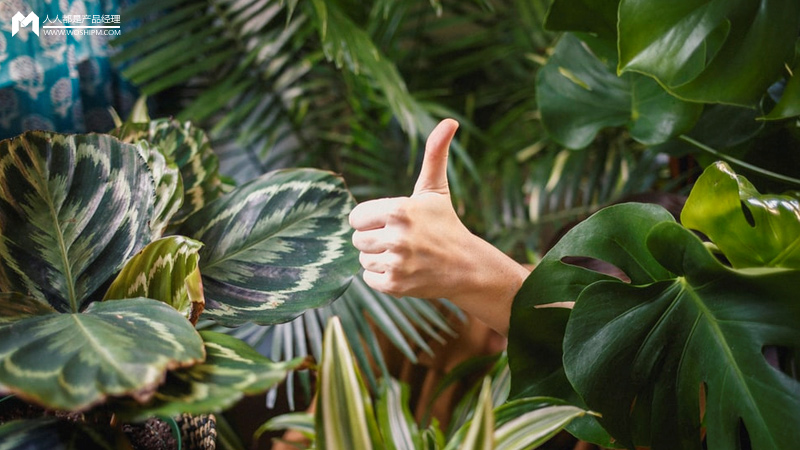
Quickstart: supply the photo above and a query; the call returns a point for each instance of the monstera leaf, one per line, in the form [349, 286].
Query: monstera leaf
[579, 95]
[73, 209]
[591, 16]
[789, 104]
[190, 149]
[751, 229]
[275, 247]
[640, 352]
[165, 270]
[717, 51]
[75, 360]
[232, 369]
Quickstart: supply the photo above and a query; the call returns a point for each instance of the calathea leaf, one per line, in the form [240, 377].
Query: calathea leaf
[751, 229]
[231, 370]
[166, 270]
[189, 148]
[54, 434]
[579, 95]
[73, 361]
[717, 51]
[73, 209]
[15, 306]
[169, 187]
[275, 247]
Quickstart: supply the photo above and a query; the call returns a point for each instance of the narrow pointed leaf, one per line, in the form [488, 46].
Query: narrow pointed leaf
[398, 427]
[73, 209]
[275, 247]
[55, 434]
[231, 370]
[717, 51]
[344, 416]
[523, 429]
[579, 95]
[166, 270]
[190, 148]
[480, 430]
[73, 361]
[751, 229]
[302, 422]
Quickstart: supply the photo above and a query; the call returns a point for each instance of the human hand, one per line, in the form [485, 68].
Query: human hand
[417, 246]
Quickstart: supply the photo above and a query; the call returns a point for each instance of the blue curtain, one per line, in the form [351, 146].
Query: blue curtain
[60, 82]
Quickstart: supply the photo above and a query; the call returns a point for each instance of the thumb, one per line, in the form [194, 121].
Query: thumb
[433, 175]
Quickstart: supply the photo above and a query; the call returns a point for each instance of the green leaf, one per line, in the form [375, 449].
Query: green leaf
[73, 361]
[73, 209]
[302, 422]
[751, 229]
[789, 105]
[396, 424]
[275, 247]
[616, 236]
[15, 306]
[637, 352]
[579, 95]
[55, 434]
[344, 417]
[190, 148]
[717, 51]
[520, 428]
[231, 370]
[591, 16]
[169, 187]
[480, 430]
[166, 270]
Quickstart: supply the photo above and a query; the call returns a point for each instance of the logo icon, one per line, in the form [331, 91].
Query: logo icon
[19, 19]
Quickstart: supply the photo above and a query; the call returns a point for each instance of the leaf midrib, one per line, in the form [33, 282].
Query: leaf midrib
[102, 351]
[723, 343]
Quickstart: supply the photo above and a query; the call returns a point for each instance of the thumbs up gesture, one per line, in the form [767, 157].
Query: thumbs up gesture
[417, 246]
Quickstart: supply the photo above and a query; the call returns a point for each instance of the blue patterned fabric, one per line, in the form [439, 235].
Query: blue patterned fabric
[59, 82]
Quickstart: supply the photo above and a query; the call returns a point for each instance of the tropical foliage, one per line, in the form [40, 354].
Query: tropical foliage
[347, 418]
[99, 306]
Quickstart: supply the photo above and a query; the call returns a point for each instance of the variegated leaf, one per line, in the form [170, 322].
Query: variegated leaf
[275, 247]
[480, 430]
[231, 370]
[16, 306]
[190, 148]
[397, 425]
[73, 361]
[165, 270]
[169, 187]
[73, 209]
[54, 434]
[344, 416]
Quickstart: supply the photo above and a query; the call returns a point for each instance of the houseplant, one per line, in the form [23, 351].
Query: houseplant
[112, 250]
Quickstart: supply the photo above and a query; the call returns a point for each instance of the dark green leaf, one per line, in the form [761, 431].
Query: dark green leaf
[55, 434]
[73, 361]
[165, 270]
[636, 352]
[275, 247]
[717, 51]
[591, 16]
[231, 370]
[789, 105]
[751, 229]
[15, 306]
[73, 209]
[579, 95]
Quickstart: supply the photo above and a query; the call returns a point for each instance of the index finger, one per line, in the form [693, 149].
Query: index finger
[372, 214]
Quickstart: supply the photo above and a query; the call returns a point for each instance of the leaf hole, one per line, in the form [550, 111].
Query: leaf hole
[597, 265]
[744, 437]
[782, 359]
[748, 215]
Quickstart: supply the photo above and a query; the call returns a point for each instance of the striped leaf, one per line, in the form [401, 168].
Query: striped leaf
[54, 434]
[231, 370]
[397, 425]
[344, 416]
[73, 209]
[301, 422]
[15, 306]
[479, 433]
[73, 361]
[169, 187]
[190, 148]
[275, 247]
[165, 270]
